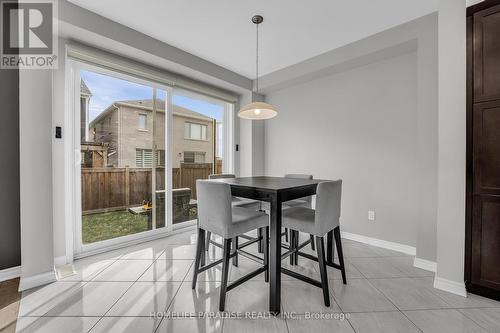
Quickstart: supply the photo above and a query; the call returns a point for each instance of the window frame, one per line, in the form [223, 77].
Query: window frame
[145, 115]
[143, 161]
[189, 131]
[195, 153]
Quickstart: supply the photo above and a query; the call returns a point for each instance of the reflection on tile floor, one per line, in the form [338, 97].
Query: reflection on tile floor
[118, 291]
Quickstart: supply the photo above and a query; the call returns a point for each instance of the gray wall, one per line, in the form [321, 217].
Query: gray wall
[10, 243]
[360, 126]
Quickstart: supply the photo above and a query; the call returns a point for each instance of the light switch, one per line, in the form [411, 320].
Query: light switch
[371, 215]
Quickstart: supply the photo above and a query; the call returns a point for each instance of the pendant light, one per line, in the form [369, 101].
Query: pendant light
[257, 110]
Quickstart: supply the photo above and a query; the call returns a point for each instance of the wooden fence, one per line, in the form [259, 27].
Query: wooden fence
[109, 189]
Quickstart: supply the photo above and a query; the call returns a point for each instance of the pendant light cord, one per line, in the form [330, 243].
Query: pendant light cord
[257, 61]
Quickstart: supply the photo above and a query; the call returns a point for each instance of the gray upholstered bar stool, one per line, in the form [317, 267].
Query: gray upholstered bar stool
[324, 219]
[217, 215]
[237, 202]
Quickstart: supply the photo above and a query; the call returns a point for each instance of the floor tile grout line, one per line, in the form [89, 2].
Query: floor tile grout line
[446, 309]
[83, 283]
[465, 314]
[71, 293]
[97, 322]
[169, 304]
[286, 325]
[133, 283]
[390, 264]
[400, 277]
[394, 304]
[350, 324]
[411, 321]
[105, 268]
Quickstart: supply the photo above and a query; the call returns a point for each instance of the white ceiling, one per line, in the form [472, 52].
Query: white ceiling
[293, 30]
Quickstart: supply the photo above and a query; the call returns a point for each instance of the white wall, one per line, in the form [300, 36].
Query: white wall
[35, 147]
[452, 152]
[427, 67]
[360, 126]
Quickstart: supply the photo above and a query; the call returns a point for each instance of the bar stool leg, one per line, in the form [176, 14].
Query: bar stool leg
[235, 251]
[311, 237]
[297, 241]
[207, 244]
[225, 275]
[292, 246]
[266, 253]
[197, 261]
[322, 269]
[259, 235]
[329, 247]
[338, 243]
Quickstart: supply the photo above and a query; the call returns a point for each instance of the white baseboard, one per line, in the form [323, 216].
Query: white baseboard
[425, 264]
[457, 288]
[60, 261]
[411, 250]
[10, 273]
[37, 280]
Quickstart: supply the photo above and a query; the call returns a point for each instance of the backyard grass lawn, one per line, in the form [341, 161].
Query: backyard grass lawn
[99, 227]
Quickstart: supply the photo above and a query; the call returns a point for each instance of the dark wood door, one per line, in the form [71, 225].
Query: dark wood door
[483, 151]
[487, 54]
[485, 231]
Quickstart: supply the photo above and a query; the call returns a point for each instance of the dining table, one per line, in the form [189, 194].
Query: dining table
[276, 190]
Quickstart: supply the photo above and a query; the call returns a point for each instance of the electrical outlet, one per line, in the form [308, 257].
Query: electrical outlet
[371, 215]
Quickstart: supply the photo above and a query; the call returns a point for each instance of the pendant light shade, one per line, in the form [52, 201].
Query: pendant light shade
[257, 110]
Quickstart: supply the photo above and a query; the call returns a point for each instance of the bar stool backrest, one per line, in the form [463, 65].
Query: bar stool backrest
[214, 206]
[328, 199]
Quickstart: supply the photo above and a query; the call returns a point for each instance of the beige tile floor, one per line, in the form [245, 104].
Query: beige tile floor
[117, 292]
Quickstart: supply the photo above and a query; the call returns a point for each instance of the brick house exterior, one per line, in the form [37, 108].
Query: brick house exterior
[127, 128]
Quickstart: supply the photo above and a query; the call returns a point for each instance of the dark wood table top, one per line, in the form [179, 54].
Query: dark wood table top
[269, 183]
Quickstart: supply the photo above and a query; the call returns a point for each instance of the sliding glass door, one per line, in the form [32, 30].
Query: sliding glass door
[122, 139]
[141, 148]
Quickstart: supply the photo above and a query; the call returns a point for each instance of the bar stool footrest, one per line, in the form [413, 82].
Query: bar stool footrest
[247, 277]
[301, 277]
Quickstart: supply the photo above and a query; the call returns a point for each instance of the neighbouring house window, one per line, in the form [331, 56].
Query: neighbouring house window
[143, 158]
[195, 131]
[194, 157]
[160, 158]
[142, 121]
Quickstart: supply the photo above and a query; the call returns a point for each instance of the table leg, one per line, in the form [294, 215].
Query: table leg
[275, 257]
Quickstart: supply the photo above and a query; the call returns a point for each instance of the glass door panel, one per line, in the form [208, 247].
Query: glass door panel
[122, 144]
[197, 149]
